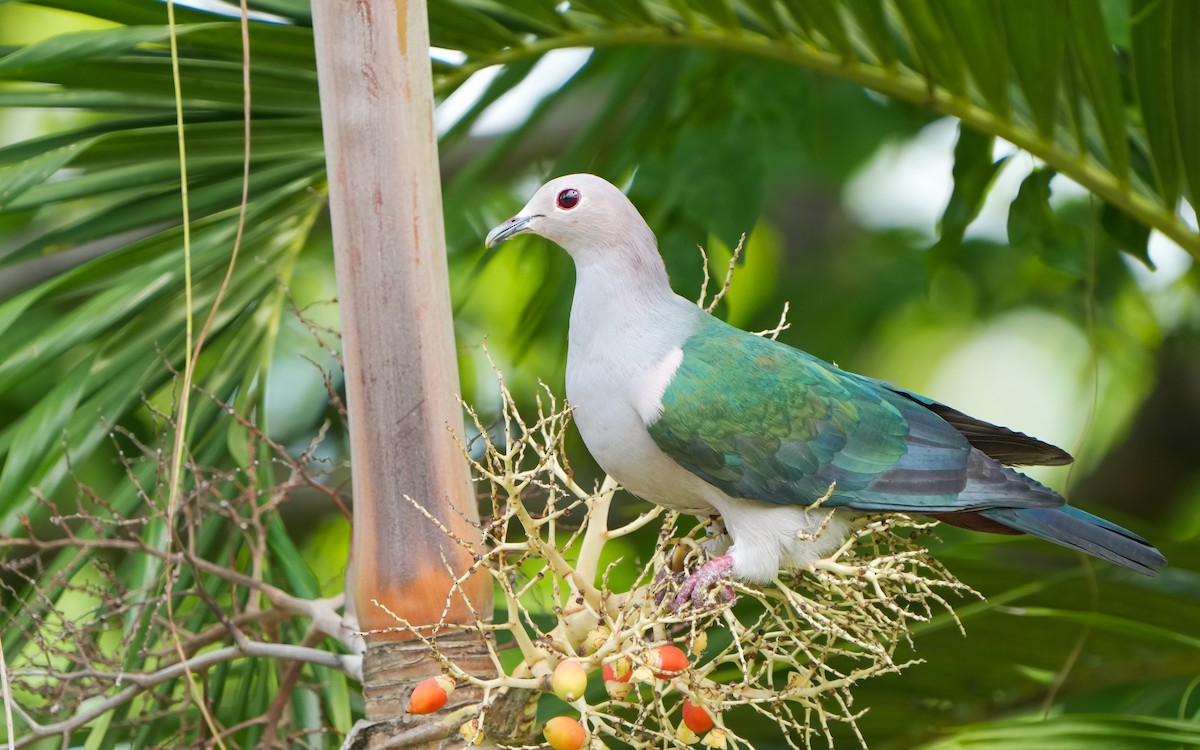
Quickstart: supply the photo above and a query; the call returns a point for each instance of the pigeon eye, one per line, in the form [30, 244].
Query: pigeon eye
[568, 199]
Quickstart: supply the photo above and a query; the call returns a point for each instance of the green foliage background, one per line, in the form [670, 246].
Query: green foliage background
[722, 117]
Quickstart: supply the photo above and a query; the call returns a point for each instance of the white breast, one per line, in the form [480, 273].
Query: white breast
[610, 418]
[621, 359]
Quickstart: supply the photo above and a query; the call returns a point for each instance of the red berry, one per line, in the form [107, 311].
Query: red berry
[696, 718]
[668, 661]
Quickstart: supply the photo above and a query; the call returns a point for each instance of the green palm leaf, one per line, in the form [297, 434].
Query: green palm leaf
[997, 66]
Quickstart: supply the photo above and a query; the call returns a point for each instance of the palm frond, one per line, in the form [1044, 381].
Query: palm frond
[999, 67]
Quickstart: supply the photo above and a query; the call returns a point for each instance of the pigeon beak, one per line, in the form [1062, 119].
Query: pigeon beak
[511, 228]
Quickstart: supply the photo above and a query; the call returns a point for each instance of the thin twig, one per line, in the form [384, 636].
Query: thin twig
[139, 683]
[720, 295]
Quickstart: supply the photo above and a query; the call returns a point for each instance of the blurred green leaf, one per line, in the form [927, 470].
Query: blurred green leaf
[1185, 80]
[20, 177]
[1090, 45]
[974, 26]
[1036, 35]
[973, 173]
[84, 45]
[1078, 731]
[1033, 223]
[128, 13]
[1150, 22]
[460, 27]
[1125, 627]
[705, 162]
[873, 22]
[1130, 236]
[935, 45]
[42, 427]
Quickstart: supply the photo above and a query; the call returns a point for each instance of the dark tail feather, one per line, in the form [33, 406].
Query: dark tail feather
[1079, 530]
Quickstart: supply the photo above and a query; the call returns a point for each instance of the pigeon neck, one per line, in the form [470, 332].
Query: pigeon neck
[622, 275]
[623, 313]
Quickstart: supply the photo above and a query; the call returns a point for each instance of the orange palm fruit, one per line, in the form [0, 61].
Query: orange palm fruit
[696, 718]
[430, 695]
[564, 733]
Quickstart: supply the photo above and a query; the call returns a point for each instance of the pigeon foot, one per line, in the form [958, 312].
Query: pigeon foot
[700, 581]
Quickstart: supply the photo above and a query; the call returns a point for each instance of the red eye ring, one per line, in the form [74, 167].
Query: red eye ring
[568, 199]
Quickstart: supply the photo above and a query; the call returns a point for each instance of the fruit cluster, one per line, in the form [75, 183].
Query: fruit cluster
[569, 682]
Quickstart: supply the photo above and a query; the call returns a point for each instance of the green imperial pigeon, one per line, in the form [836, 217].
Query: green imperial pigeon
[692, 414]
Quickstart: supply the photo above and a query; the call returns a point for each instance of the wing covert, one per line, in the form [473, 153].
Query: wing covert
[761, 420]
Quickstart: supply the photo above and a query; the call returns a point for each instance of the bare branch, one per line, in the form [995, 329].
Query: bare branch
[720, 295]
[780, 327]
[140, 683]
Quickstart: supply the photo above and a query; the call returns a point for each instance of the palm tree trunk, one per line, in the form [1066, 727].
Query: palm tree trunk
[398, 343]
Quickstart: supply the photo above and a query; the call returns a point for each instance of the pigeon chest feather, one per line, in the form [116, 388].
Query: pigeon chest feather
[615, 383]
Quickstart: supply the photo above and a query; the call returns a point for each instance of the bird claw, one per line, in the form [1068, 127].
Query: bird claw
[695, 585]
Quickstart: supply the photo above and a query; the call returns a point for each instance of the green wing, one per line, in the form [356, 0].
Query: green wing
[762, 420]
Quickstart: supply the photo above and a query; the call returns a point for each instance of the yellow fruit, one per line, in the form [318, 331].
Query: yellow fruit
[618, 691]
[596, 638]
[472, 732]
[678, 558]
[685, 735]
[564, 733]
[643, 674]
[569, 680]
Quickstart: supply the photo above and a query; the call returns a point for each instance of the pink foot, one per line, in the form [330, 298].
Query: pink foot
[705, 576]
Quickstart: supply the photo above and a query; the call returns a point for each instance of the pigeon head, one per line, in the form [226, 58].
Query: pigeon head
[584, 214]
